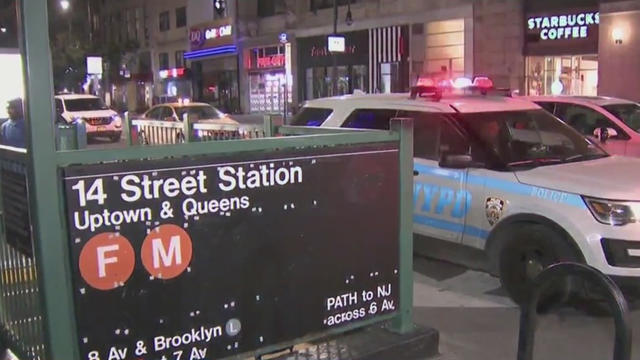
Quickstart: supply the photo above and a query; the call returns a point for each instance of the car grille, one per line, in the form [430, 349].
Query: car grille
[98, 121]
[622, 253]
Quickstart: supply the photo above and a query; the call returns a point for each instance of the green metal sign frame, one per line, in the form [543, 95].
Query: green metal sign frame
[43, 164]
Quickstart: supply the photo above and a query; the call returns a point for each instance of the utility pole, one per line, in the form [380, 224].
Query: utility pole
[334, 69]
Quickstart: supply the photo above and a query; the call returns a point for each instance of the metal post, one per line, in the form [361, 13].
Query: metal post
[126, 128]
[80, 131]
[403, 323]
[51, 248]
[268, 126]
[334, 69]
[186, 128]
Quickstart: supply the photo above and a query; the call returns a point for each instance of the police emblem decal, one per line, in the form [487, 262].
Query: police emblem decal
[494, 208]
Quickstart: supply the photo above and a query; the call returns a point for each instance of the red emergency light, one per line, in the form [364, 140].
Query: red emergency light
[432, 88]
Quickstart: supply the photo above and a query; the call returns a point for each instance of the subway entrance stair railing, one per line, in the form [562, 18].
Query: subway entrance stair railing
[199, 249]
[97, 190]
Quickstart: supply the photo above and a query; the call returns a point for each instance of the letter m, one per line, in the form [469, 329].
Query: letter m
[159, 252]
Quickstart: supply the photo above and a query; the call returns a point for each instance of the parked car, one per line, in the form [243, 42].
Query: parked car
[504, 176]
[100, 121]
[197, 112]
[615, 123]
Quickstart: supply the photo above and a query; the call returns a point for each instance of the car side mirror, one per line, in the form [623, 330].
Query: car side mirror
[458, 161]
[604, 133]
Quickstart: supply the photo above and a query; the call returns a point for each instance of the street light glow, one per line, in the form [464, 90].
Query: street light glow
[64, 4]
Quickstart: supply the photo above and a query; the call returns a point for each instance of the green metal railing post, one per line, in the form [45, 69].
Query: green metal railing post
[403, 322]
[271, 124]
[80, 132]
[126, 128]
[187, 129]
[47, 212]
[65, 137]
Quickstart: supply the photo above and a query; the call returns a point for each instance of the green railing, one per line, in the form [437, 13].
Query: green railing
[38, 314]
[20, 298]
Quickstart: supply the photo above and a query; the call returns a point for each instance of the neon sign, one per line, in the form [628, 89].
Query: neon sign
[276, 60]
[211, 34]
[215, 33]
[171, 73]
[573, 26]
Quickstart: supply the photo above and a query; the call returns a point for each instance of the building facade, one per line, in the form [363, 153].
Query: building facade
[169, 29]
[122, 28]
[269, 56]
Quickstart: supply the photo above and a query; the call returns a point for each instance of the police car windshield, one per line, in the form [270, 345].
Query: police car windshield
[628, 113]
[529, 138]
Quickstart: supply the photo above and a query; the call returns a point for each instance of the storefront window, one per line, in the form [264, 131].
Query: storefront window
[349, 79]
[445, 48]
[268, 91]
[562, 75]
[221, 90]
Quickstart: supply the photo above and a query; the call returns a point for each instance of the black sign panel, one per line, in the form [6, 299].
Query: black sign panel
[562, 32]
[208, 257]
[313, 51]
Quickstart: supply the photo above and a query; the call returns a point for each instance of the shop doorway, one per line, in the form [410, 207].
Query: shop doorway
[562, 75]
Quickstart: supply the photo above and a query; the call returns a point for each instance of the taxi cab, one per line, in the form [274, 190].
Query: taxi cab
[503, 175]
[614, 122]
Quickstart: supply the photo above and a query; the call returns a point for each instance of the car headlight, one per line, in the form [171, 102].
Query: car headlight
[117, 120]
[611, 212]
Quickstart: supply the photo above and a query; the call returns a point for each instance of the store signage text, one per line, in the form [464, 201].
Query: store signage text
[199, 36]
[172, 73]
[324, 51]
[276, 60]
[574, 26]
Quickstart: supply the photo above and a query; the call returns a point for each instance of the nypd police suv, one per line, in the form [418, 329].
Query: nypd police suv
[501, 174]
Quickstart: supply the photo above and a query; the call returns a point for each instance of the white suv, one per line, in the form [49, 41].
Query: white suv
[100, 121]
[504, 176]
[617, 119]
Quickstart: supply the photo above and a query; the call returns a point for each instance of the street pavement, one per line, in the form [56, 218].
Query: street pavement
[477, 321]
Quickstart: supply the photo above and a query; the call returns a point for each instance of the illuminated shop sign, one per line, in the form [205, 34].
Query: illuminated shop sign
[268, 61]
[172, 73]
[211, 34]
[566, 26]
[336, 43]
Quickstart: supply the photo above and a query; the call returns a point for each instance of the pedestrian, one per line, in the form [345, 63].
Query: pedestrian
[12, 132]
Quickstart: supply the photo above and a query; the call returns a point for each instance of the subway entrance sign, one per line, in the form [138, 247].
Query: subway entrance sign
[216, 255]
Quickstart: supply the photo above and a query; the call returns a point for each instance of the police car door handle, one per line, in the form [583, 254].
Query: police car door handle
[416, 172]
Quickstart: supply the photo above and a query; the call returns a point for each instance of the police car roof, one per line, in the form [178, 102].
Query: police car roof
[447, 104]
[593, 100]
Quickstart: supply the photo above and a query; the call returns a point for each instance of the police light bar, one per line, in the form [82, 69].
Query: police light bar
[432, 88]
[461, 83]
[482, 82]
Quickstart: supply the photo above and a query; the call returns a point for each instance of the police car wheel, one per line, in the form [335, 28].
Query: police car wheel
[528, 250]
